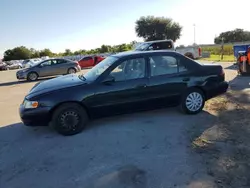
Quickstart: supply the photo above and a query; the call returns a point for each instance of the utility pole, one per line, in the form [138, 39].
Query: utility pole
[222, 48]
[194, 34]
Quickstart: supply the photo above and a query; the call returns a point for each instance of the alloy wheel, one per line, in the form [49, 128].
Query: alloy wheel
[194, 101]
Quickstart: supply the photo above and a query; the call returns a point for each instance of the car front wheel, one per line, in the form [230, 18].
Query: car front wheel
[193, 101]
[32, 76]
[69, 119]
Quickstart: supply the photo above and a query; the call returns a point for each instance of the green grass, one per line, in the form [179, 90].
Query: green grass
[226, 58]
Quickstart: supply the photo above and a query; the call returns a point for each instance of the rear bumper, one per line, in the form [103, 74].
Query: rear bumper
[35, 117]
[215, 90]
[78, 69]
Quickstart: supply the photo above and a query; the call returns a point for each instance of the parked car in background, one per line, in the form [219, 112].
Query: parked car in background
[25, 62]
[123, 83]
[90, 61]
[3, 66]
[193, 52]
[14, 65]
[49, 67]
[155, 45]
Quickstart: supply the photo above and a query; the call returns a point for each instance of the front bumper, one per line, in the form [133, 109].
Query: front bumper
[216, 90]
[20, 76]
[35, 117]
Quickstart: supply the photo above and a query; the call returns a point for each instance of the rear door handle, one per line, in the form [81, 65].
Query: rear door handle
[185, 79]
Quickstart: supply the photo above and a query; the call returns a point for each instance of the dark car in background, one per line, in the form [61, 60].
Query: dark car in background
[48, 67]
[123, 83]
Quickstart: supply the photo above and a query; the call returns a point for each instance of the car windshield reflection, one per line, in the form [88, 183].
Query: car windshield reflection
[97, 70]
[142, 47]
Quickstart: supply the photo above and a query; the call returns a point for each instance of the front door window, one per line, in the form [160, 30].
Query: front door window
[129, 70]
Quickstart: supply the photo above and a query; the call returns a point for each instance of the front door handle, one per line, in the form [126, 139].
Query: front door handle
[185, 79]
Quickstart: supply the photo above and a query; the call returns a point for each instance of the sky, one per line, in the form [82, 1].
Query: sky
[87, 24]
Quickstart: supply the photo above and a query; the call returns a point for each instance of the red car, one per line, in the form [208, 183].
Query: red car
[90, 61]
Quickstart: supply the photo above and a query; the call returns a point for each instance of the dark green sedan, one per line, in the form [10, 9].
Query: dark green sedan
[123, 83]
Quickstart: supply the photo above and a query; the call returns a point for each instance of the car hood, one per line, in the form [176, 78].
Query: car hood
[55, 84]
[23, 70]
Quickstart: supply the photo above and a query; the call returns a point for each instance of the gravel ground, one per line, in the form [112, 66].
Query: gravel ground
[148, 149]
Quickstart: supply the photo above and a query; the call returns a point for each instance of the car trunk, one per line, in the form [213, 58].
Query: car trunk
[213, 69]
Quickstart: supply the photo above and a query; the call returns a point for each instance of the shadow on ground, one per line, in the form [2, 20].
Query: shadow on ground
[18, 82]
[232, 67]
[135, 150]
[240, 83]
[225, 146]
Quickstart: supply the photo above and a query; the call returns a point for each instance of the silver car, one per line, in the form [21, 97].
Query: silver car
[49, 67]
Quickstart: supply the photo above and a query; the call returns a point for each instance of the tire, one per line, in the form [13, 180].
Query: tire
[197, 105]
[32, 76]
[71, 71]
[68, 114]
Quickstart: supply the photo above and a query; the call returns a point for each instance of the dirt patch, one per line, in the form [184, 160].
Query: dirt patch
[225, 145]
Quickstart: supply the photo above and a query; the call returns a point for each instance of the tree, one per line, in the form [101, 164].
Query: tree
[67, 52]
[105, 48]
[157, 28]
[237, 35]
[80, 52]
[17, 53]
[46, 52]
[34, 53]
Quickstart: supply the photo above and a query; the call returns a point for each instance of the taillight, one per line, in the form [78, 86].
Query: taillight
[199, 49]
[222, 72]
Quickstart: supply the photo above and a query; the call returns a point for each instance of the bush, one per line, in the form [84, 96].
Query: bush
[216, 50]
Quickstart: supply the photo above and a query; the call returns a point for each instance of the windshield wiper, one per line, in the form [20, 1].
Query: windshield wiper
[82, 77]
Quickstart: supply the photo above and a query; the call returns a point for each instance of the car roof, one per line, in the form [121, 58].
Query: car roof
[134, 53]
[155, 41]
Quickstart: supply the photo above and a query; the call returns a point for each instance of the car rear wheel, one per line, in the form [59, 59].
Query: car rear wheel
[32, 76]
[69, 119]
[71, 71]
[193, 101]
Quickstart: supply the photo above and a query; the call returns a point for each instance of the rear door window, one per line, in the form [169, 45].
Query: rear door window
[165, 65]
[87, 58]
[61, 61]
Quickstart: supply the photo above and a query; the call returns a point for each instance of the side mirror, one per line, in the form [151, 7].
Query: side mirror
[109, 79]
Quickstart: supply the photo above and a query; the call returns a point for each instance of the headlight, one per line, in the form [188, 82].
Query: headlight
[30, 104]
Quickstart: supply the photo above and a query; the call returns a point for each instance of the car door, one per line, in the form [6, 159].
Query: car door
[126, 93]
[89, 62]
[86, 62]
[169, 78]
[61, 66]
[44, 69]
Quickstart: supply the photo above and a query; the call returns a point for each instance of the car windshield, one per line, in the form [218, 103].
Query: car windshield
[31, 64]
[97, 70]
[142, 46]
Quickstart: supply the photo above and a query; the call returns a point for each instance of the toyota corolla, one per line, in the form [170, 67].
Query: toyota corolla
[123, 83]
